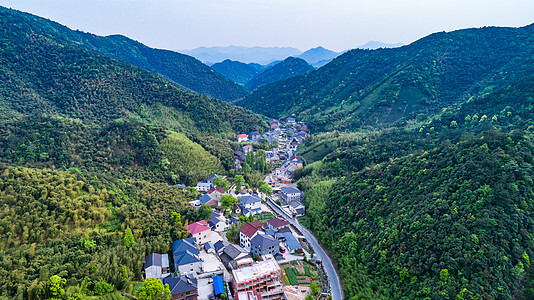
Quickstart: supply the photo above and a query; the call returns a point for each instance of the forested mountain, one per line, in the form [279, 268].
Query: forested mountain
[290, 67]
[89, 149]
[259, 55]
[184, 70]
[318, 56]
[237, 71]
[374, 87]
[436, 209]
[44, 73]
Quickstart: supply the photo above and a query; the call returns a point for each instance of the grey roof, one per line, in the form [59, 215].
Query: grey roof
[203, 184]
[181, 283]
[205, 198]
[233, 220]
[249, 199]
[156, 259]
[262, 241]
[220, 245]
[295, 204]
[254, 133]
[208, 246]
[233, 251]
[184, 245]
[291, 242]
[289, 190]
[210, 179]
[184, 258]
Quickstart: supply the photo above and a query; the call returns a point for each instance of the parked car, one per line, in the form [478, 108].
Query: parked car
[282, 249]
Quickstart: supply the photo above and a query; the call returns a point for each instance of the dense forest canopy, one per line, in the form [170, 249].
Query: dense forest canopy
[375, 87]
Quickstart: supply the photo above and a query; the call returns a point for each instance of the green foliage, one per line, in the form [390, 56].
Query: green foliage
[55, 285]
[314, 287]
[292, 276]
[288, 68]
[101, 288]
[221, 182]
[363, 88]
[128, 238]
[153, 289]
[204, 212]
[228, 202]
[233, 233]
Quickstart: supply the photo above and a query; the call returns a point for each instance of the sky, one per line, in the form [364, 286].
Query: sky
[334, 24]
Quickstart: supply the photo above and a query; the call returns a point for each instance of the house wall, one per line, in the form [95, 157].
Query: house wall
[254, 205]
[194, 267]
[288, 197]
[202, 236]
[153, 272]
[244, 241]
[191, 295]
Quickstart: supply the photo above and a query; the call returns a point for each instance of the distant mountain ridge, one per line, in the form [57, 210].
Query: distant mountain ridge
[260, 55]
[237, 71]
[288, 68]
[184, 70]
[371, 45]
[383, 86]
[319, 56]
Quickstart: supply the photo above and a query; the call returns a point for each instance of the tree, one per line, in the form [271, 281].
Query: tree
[314, 287]
[204, 212]
[177, 218]
[309, 297]
[153, 289]
[128, 239]
[264, 187]
[221, 182]
[227, 201]
[102, 288]
[238, 181]
[233, 234]
[55, 285]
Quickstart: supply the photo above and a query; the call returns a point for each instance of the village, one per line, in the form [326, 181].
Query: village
[247, 249]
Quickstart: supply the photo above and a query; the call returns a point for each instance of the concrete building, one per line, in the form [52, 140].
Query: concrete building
[264, 277]
[156, 265]
[289, 193]
[247, 232]
[182, 287]
[200, 231]
[263, 244]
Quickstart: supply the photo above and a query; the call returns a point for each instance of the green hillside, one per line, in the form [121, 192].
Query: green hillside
[438, 209]
[186, 71]
[44, 73]
[236, 71]
[375, 87]
[290, 67]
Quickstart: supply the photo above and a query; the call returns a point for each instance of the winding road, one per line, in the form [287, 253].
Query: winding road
[333, 278]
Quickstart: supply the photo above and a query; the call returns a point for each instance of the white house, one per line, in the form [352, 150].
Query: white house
[247, 232]
[200, 231]
[250, 202]
[289, 193]
[156, 265]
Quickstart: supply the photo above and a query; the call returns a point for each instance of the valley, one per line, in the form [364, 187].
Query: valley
[131, 172]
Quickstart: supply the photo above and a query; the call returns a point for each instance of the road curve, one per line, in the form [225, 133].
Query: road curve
[333, 278]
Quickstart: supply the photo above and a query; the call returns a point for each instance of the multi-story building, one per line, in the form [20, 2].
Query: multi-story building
[289, 193]
[264, 277]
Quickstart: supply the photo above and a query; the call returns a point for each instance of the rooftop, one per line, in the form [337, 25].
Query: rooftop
[249, 229]
[181, 284]
[277, 222]
[198, 227]
[249, 199]
[156, 259]
[260, 269]
[289, 190]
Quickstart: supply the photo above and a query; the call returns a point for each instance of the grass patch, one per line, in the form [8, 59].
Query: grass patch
[136, 286]
[291, 276]
[294, 262]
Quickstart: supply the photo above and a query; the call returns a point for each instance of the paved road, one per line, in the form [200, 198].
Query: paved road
[333, 278]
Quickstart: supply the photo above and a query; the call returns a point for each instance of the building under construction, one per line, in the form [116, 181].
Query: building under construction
[264, 277]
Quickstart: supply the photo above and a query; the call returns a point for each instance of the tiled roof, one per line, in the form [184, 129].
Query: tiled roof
[213, 189]
[249, 229]
[289, 190]
[184, 245]
[249, 199]
[263, 241]
[242, 136]
[181, 283]
[156, 259]
[198, 227]
[277, 222]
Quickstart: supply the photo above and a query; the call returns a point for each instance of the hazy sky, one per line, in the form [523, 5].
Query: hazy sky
[334, 24]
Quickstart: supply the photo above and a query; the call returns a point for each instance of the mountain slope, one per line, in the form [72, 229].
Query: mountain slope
[45, 73]
[318, 55]
[260, 55]
[376, 45]
[288, 68]
[237, 71]
[374, 87]
[186, 71]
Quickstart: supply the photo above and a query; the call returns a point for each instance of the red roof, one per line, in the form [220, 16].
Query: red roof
[197, 227]
[242, 136]
[213, 189]
[249, 229]
[277, 222]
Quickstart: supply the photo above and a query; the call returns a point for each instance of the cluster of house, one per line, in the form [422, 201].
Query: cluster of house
[288, 138]
[255, 272]
[291, 201]
[283, 175]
